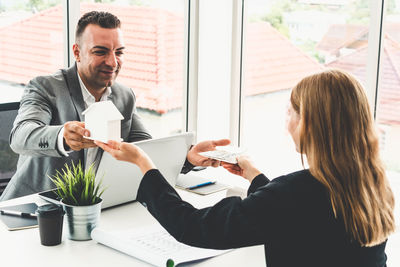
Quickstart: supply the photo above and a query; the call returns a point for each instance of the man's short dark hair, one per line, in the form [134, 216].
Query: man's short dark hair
[103, 19]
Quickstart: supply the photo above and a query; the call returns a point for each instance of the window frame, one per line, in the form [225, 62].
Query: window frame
[191, 103]
[375, 43]
[71, 15]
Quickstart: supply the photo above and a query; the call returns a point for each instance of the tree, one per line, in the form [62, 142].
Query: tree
[391, 6]
[359, 11]
[39, 5]
[275, 15]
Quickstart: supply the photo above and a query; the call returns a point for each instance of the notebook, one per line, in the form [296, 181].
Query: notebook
[13, 222]
[152, 244]
[199, 185]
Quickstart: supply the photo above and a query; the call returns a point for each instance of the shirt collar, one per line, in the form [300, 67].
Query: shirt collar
[88, 98]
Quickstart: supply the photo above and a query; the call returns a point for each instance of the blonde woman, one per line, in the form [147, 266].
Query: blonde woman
[337, 213]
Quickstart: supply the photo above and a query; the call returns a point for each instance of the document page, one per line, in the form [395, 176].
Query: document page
[153, 245]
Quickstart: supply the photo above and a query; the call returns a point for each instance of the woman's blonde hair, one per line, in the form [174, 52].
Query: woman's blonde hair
[338, 137]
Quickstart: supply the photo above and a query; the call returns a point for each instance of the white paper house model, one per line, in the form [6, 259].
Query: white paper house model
[103, 120]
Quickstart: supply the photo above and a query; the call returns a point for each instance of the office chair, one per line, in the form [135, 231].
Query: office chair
[8, 159]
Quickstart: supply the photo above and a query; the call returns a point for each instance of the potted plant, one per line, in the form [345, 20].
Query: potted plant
[80, 196]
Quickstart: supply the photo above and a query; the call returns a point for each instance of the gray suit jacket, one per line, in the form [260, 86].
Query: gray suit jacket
[47, 103]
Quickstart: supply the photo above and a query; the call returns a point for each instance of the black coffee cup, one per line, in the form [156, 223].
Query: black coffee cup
[50, 219]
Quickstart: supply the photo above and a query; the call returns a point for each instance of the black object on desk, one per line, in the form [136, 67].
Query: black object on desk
[19, 216]
[50, 218]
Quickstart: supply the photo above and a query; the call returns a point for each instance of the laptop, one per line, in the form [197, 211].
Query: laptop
[122, 179]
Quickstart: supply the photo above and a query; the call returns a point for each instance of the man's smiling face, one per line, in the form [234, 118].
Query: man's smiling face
[99, 56]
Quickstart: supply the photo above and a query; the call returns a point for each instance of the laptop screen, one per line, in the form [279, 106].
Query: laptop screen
[122, 179]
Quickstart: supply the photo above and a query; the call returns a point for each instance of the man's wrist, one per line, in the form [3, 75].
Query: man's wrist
[62, 146]
[187, 167]
[66, 146]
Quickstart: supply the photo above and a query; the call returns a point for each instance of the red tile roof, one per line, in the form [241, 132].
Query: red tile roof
[389, 93]
[339, 36]
[153, 64]
[393, 29]
[32, 46]
[272, 62]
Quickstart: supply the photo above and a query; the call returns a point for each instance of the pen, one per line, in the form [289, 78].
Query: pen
[200, 185]
[18, 213]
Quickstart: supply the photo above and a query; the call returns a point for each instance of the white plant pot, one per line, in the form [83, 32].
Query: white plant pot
[81, 220]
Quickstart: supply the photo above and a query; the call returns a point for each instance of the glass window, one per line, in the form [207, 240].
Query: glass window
[388, 112]
[31, 43]
[284, 42]
[287, 40]
[154, 60]
[214, 69]
[388, 98]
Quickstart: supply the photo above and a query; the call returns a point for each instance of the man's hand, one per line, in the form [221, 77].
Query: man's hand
[74, 132]
[198, 160]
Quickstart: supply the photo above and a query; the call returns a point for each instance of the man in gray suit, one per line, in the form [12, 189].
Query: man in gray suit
[48, 131]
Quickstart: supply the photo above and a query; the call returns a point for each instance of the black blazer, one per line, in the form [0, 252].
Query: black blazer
[291, 215]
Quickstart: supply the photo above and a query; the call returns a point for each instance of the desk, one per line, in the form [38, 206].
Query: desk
[23, 248]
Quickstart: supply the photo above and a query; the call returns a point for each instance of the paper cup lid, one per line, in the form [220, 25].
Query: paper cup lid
[49, 210]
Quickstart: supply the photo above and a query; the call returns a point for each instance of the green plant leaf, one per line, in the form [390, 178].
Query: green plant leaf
[77, 186]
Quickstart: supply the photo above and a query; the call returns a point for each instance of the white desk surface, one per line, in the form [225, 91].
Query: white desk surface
[23, 248]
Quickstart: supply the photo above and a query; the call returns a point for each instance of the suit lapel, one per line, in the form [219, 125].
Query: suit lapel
[75, 90]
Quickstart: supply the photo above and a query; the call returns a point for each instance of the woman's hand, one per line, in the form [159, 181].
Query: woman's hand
[128, 152]
[244, 168]
[197, 160]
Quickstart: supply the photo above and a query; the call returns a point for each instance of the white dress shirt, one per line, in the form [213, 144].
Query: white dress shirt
[89, 99]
